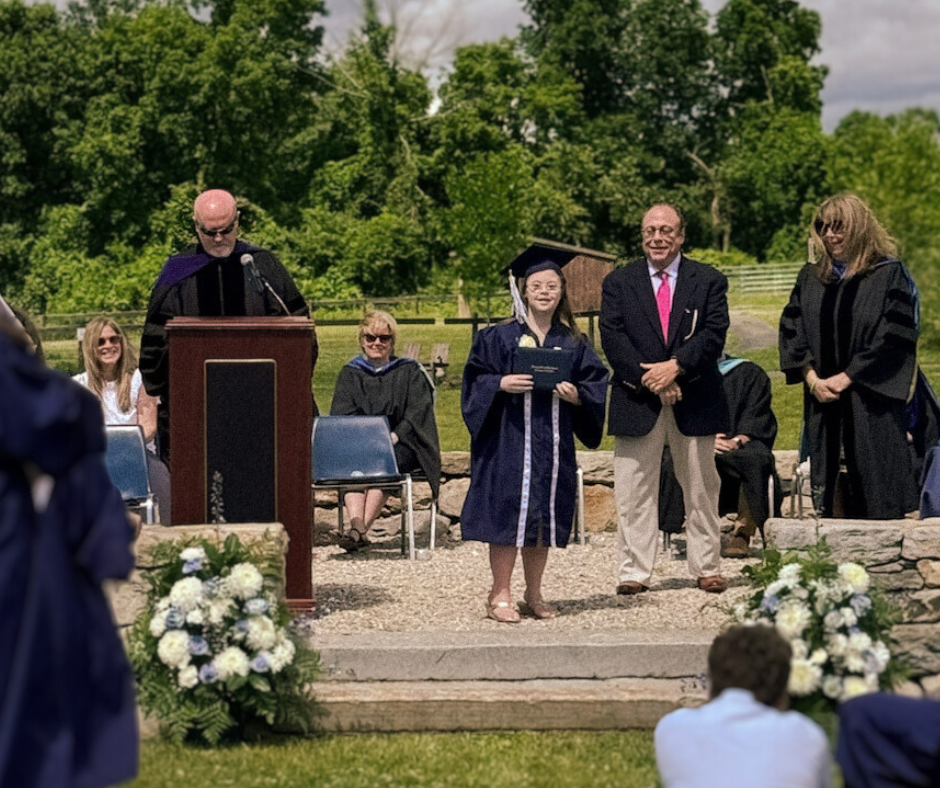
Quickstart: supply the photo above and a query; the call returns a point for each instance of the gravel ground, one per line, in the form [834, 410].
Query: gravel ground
[379, 589]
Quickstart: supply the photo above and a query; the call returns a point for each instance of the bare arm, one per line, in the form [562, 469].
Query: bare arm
[147, 413]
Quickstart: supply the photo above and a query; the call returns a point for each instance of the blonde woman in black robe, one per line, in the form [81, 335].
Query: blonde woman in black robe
[849, 335]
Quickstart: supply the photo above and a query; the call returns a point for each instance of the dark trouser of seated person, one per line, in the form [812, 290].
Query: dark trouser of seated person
[378, 383]
[743, 456]
[888, 741]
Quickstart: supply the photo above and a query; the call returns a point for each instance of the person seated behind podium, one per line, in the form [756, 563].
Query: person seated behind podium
[378, 383]
[744, 458]
[889, 741]
[744, 736]
[111, 374]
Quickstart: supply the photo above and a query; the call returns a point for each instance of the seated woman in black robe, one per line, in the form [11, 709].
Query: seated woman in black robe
[849, 334]
[523, 463]
[378, 383]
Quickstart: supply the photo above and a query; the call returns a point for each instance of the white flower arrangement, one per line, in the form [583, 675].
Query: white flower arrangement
[836, 623]
[213, 646]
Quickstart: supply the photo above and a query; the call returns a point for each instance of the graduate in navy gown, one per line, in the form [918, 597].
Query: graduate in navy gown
[67, 712]
[522, 467]
[889, 741]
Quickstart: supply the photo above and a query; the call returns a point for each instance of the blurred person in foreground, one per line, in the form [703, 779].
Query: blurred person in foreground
[379, 383]
[220, 276]
[522, 453]
[67, 711]
[849, 335]
[744, 736]
[111, 374]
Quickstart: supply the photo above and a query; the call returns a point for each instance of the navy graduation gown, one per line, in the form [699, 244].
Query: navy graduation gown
[67, 712]
[522, 465]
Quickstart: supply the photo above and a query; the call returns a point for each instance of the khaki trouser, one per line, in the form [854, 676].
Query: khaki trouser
[636, 487]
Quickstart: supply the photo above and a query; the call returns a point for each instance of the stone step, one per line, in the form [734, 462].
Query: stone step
[537, 704]
[512, 654]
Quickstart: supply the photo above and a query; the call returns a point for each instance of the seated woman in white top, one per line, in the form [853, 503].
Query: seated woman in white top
[111, 374]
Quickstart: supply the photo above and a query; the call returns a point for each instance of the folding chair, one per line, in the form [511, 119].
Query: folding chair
[126, 459]
[353, 453]
[580, 526]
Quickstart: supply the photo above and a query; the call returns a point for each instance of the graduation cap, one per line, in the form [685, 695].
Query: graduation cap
[537, 257]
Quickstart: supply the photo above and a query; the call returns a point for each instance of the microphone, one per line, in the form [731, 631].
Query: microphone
[261, 283]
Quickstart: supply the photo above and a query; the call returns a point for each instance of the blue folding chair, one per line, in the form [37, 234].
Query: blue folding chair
[126, 459]
[356, 453]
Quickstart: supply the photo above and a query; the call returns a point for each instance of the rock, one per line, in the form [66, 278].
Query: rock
[787, 534]
[918, 646]
[420, 498]
[598, 467]
[452, 497]
[903, 580]
[930, 570]
[910, 689]
[325, 521]
[600, 508]
[150, 535]
[931, 685]
[126, 598]
[785, 460]
[455, 463]
[922, 540]
[923, 607]
[865, 541]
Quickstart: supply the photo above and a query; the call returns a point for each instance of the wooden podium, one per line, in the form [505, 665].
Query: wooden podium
[241, 416]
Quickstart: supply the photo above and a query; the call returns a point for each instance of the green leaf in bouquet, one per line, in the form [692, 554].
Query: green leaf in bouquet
[259, 682]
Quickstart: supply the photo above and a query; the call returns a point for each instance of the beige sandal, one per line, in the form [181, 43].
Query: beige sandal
[539, 609]
[503, 612]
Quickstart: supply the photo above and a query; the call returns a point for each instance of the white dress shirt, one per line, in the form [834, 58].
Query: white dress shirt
[735, 741]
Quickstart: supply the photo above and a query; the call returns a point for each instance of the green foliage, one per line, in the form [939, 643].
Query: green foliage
[200, 696]
[732, 257]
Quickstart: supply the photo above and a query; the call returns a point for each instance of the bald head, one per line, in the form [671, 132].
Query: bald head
[215, 214]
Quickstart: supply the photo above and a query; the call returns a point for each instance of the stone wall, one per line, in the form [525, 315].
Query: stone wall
[903, 557]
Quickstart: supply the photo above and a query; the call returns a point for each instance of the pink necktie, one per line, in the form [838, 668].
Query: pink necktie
[663, 303]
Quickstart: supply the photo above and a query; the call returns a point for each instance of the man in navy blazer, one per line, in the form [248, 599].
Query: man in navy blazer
[663, 323]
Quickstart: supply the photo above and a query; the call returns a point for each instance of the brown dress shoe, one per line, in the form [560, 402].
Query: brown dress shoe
[737, 547]
[713, 584]
[631, 588]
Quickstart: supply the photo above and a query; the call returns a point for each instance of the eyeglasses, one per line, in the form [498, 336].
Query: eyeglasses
[822, 227]
[666, 231]
[228, 229]
[112, 340]
[383, 338]
[543, 288]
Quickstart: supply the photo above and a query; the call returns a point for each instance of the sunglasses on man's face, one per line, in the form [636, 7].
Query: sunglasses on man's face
[230, 228]
[115, 340]
[383, 338]
[823, 227]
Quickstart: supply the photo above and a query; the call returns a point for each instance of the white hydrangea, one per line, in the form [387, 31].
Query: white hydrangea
[232, 662]
[163, 604]
[244, 581]
[261, 633]
[800, 649]
[799, 592]
[855, 576]
[792, 619]
[193, 554]
[833, 620]
[775, 588]
[282, 655]
[819, 657]
[853, 686]
[837, 645]
[219, 609]
[173, 649]
[186, 594]
[195, 617]
[805, 677]
[882, 655]
[158, 625]
[860, 641]
[188, 677]
[855, 661]
[790, 574]
[848, 616]
[832, 687]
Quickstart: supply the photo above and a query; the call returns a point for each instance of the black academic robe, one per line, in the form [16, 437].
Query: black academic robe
[522, 454]
[748, 469]
[192, 284]
[863, 326]
[67, 711]
[403, 392]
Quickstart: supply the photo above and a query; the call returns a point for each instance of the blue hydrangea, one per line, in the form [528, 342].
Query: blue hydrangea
[175, 618]
[256, 606]
[211, 588]
[861, 604]
[854, 630]
[770, 603]
[208, 673]
[260, 663]
[241, 626]
[191, 567]
[198, 646]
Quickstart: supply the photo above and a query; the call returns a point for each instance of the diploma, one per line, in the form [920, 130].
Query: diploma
[547, 366]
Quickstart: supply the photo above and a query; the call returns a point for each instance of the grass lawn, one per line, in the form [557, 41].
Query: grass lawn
[453, 760]
[338, 345]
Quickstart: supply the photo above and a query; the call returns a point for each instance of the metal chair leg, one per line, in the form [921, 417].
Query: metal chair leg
[582, 525]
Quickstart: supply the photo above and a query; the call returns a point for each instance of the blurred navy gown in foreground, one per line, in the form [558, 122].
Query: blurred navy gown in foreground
[67, 713]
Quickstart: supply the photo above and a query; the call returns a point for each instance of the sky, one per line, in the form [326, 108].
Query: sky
[883, 55]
